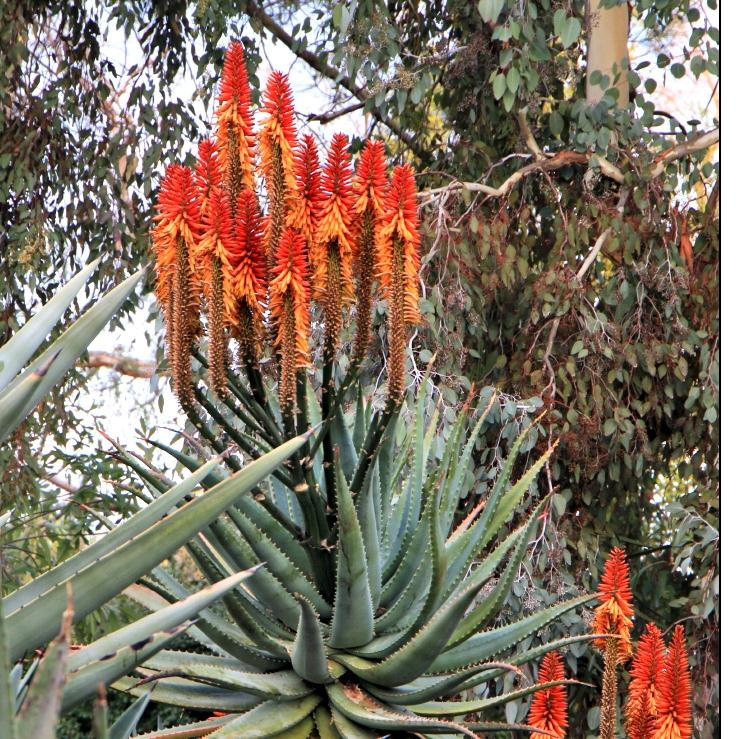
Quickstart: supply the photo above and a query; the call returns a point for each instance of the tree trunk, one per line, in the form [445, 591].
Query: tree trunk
[608, 36]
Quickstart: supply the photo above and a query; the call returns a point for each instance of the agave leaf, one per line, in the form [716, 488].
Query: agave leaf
[32, 625]
[493, 601]
[161, 620]
[268, 719]
[352, 624]
[360, 708]
[461, 708]
[123, 533]
[39, 714]
[84, 682]
[23, 344]
[68, 348]
[177, 691]
[414, 658]
[308, 654]
[488, 644]
[126, 723]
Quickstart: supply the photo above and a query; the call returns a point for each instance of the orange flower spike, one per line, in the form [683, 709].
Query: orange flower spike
[614, 614]
[370, 189]
[289, 300]
[306, 206]
[641, 709]
[207, 172]
[398, 262]
[235, 136]
[277, 140]
[216, 244]
[245, 252]
[335, 224]
[674, 707]
[174, 239]
[549, 706]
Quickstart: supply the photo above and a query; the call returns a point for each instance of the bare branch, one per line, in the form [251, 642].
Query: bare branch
[333, 115]
[124, 365]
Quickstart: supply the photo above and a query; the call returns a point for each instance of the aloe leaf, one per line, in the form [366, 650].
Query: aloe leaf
[33, 625]
[360, 708]
[161, 620]
[428, 688]
[123, 533]
[490, 605]
[84, 682]
[190, 730]
[352, 624]
[279, 686]
[414, 658]
[126, 723]
[100, 715]
[7, 680]
[308, 655]
[488, 644]
[70, 346]
[367, 513]
[325, 723]
[303, 730]
[411, 560]
[22, 345]
[407, 602]
[343, 440]
[268, 719]
[461, 708]
[39, 714]
[177, 691]
[360, 420]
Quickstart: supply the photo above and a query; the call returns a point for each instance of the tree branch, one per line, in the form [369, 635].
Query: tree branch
[124, 365]
[333, 115]
[327, 70]
[563, 158]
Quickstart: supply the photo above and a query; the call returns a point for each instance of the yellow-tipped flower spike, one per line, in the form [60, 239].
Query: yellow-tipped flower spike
[333, 246]
[174, 240]
[371, 189]
[398, 263]
[277, 140]
[305, 208]
[235, 137]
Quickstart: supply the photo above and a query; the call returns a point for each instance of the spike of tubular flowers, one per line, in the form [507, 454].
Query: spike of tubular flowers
[333, 247]
[549, 706]
[216, 243]
[207, 173]
[305, 209]
[289, 299]
[174, 240]
[641, 709]
[398, 262]
[245, 253]
[674, 712]
[370, 189]
[277, 139]
[613, 616]
[235, 136]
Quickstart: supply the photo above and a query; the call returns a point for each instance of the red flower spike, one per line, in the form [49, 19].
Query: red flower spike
[370, 182]
[614, 614]
[674, 706]
[335, 224]
[641, 709]
[207, 172]
[549, 706]
[277, 135]
[305, 208]
[246, 256]
[235, 136]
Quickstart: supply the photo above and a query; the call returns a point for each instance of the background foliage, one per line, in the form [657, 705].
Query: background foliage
[624, 359]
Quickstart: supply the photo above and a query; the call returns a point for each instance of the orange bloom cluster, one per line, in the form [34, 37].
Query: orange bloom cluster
[641, 709]
[549, 706]
[674, 711]
[614, 614]
[235, 123]
[323, 231]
